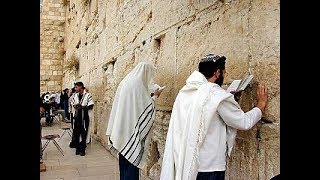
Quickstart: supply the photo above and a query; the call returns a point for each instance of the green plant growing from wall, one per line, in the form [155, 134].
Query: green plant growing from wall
[72, 64]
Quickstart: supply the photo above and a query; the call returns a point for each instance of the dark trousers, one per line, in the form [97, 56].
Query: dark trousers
[216, 175]
[127, 170]
[66, 108]
[72, 120]
[49, 119]
[79, 130]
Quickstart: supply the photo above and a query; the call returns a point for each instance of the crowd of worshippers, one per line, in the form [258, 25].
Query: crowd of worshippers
[202, 128]
[56, 102]
[75, 107]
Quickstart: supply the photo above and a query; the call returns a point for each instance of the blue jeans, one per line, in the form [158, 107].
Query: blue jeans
[127, 170]
[216, 175]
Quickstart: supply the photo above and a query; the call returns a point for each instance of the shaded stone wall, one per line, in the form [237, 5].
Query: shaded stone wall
[110, 37]
[51, 45]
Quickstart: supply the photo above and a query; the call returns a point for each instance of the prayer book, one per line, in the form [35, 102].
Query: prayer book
[240, 84]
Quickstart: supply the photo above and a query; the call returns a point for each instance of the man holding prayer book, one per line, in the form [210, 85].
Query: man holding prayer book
[203, 124]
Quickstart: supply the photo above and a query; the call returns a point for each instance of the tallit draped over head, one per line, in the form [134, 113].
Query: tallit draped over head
[132, 114]
[192, 113]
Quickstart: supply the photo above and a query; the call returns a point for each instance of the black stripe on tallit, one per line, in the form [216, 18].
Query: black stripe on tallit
[138, 132]
[135, 127]
[137, 161]
[89, 98]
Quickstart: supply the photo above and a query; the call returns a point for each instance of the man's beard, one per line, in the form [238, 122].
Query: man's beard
[219, 81]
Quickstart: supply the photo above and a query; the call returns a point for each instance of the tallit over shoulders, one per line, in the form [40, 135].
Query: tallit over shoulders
[192, 111]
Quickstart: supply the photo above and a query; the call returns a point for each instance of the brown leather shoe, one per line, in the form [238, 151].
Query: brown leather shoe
[42, 167]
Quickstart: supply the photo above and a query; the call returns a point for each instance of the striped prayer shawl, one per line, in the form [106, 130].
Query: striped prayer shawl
[132, 115]
[86, 100]
[134, 148]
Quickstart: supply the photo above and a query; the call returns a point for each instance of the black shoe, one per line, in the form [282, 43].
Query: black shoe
[82, 153]
[72, 145]
[78, 152]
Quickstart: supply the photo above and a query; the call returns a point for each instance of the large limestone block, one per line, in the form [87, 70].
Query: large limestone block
[243, 163]
[167, 13]
[164, 58]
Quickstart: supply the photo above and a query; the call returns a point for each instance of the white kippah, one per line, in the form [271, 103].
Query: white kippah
[210, 57]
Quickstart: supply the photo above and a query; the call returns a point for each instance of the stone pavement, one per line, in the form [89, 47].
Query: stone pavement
[97, 164]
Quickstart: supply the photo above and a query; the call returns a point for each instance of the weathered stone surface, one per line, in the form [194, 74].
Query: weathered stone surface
[110, 37]
[50, 57]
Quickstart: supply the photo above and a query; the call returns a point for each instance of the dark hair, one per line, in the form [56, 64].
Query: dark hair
[79, 84]
[210, 64]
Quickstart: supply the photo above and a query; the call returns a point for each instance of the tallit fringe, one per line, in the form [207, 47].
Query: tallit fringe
[113, 150]
[195, 154]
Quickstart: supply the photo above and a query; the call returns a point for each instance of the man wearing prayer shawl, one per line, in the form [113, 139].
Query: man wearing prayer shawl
[203, 124]
[131, 119]
[83, 104]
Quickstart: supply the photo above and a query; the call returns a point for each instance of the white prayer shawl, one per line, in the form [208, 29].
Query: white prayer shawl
[192, 112]
[58, 98]
[70, 103]
[132, 115]
[71, 108]
[85, 101]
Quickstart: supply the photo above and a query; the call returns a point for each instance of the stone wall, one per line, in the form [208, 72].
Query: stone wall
[51, 45]
[110, 37]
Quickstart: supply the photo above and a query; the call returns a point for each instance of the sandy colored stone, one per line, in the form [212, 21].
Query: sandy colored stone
[116, 35]
[49, 33]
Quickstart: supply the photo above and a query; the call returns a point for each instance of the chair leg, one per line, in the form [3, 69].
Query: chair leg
[58, 147]
[64, 131]
[70, 132]
[45, 145]
[57, 118]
